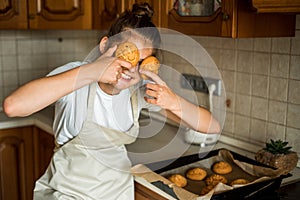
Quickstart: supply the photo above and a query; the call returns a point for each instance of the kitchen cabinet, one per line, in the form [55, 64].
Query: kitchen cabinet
[143, 193]
[43, 150]
[105, 12]
[13, 14]
[16, 164]
[24, 155]
[235, 19]
[46, 14]
[285, 6]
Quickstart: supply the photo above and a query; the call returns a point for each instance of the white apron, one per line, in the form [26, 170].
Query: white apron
[93, 165]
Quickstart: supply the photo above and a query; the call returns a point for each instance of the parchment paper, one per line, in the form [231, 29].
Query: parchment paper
[192, 191]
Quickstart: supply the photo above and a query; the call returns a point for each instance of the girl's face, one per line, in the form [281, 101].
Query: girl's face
[131, 76]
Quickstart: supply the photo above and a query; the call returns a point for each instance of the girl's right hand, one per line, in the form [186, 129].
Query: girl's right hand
[109, 68]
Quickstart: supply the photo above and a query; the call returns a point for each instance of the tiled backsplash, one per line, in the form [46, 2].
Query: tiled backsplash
[261, 75]
[26, 55]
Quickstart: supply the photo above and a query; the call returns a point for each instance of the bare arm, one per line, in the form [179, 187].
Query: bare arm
[177, 108]
[42, 92]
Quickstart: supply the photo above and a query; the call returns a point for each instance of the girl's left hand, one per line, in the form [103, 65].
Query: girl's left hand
[162, 95]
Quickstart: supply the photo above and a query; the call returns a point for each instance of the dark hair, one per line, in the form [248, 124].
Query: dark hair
[139, 17]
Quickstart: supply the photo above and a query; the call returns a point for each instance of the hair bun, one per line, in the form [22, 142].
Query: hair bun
[142, 10]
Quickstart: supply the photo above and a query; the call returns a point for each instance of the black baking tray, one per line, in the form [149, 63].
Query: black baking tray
[252, 191]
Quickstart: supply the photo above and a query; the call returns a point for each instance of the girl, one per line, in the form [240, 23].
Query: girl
[96, 114]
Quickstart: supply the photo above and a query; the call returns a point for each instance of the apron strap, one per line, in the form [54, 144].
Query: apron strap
[134, 104]
[91, 99]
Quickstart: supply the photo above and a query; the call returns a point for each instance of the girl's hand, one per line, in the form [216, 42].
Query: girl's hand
[109, 68]
[162, 95]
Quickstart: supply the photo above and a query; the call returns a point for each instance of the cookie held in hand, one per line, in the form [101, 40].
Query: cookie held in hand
[150, 63]
[129, 52]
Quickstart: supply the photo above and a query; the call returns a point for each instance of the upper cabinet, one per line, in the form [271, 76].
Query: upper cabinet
[60, 14]
[45, 14]
[234, 18]
[105, 12]
[271, 6]
[13, 14]
[222, 18]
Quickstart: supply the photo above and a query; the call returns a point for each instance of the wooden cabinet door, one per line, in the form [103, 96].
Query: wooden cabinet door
[236, 19]
[43, 146]
[197, 25]
[13, 14]
[60, 14]
[105, 12]
[16, 164]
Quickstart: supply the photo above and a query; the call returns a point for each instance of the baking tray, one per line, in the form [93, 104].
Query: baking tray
[250, 191]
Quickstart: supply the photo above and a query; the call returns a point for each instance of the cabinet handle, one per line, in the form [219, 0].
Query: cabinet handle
[31, 16]
[225, 16]
[39, 6]
[75, 3]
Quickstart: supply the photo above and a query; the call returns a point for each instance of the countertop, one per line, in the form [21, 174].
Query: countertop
[159, 147]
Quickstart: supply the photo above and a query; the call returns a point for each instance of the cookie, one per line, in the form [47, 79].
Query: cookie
[196, 174]
[215, 179]
[129, 52]
[178, 180]
[150, 63]
[206, 189]
[239, 181]
[222, 167]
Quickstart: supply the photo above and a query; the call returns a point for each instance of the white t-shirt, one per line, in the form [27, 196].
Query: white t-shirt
[112, 111]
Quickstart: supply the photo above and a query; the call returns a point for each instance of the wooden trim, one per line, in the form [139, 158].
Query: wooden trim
[143, 193]
[286, 6]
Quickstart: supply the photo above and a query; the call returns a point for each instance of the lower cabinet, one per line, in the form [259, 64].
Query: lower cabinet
[143, 193]
[44, 146]
[23, 156]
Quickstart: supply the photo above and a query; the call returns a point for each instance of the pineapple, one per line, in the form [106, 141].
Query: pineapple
[278, 155]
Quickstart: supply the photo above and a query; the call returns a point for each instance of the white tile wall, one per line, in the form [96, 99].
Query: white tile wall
[26, 55]
[262, 82]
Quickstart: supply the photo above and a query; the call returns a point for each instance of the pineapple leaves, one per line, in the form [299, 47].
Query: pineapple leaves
[277, 147]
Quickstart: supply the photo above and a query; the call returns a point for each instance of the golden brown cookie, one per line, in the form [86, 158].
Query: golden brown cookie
[196, 174]
[239, 181]
[178, 180]
[222, 167]
[150, 63]
[129, 52]
[215, 179]
[206, 189]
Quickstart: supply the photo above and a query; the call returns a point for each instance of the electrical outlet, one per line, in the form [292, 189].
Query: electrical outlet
[200, 84]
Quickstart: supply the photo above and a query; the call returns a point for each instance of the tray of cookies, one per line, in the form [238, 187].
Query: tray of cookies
[219, 174]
